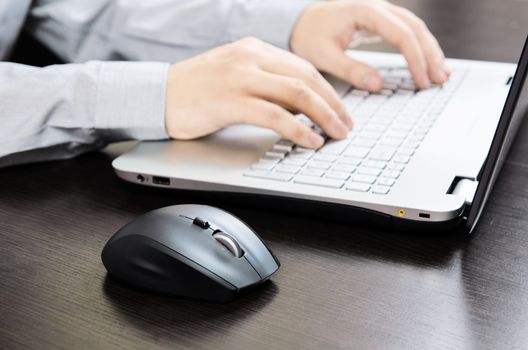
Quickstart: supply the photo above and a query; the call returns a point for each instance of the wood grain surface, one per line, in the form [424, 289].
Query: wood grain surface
[340, 286]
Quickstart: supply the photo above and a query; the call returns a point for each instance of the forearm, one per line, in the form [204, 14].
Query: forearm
[160, 30]
[60, 111]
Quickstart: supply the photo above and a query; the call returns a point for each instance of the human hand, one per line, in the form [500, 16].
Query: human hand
[251, 82]
[325, 30]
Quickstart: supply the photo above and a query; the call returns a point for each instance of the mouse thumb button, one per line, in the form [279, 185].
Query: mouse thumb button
[228, 242]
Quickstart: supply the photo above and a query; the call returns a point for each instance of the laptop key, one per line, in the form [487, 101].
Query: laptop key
[303, 150]
[299, 155]
[263, 165]
[389, 141]
[368, 179]
[404, 92]
[358, 152]
[256, 173]
[361, 93]
[275, 154]
[416, 137]
[396, 134]
[402, 127]
[334, 147]
[325, 157]
[393, 80]
[380, 189]
[318, 181]
[374, 135]
[357, 186]
[318, 165]
[374, 164]
[338, 175]
[294, 161]
[271, 176]
[391, 174]
[396, 166]
[405, 152]
[386, 182]
[352, 100]
[402, 159]
[283, 168]
[312, 172]
[382, 153]
[408, 85]
[349, 168]
[350, 160]
[363, 142]
[390, 86]
[282, 148]
[369, 171]
[279, 176]
[285, 142]
[411, 144]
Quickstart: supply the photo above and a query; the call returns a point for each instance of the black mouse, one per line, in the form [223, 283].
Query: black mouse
[193, 251]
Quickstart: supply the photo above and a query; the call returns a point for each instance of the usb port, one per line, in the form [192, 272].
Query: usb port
[425, 215]
[159, 180]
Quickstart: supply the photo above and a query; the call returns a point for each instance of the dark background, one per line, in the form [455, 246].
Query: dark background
[340, 286]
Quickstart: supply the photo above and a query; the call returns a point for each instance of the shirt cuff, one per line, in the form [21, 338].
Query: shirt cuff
[130, 100]
[269, 20]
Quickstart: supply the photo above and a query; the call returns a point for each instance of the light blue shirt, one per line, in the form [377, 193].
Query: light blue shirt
[60, 111]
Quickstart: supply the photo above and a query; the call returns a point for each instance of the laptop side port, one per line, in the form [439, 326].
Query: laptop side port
[160, 180]
[424, 215]
[464, 187]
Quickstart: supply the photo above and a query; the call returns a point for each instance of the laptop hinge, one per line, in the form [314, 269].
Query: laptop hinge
[465, 187]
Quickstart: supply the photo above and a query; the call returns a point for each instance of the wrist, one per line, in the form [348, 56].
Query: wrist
[169, 100]
[255, 18]
[297, 41]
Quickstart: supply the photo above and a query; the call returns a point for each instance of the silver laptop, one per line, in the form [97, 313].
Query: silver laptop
[414, 158]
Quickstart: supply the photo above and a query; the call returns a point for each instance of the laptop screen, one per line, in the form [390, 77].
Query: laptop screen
[515, 110]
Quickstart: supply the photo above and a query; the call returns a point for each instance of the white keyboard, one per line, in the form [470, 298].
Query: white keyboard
[388, 130]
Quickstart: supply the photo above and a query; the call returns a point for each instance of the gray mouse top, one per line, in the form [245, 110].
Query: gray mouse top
[194, 251]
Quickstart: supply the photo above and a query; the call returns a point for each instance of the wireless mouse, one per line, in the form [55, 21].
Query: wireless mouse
[192, 251]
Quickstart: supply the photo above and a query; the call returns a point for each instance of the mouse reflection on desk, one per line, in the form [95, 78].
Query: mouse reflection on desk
[192, 251]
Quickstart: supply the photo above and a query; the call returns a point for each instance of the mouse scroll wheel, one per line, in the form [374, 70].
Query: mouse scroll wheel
[228, 242]
[201, 223]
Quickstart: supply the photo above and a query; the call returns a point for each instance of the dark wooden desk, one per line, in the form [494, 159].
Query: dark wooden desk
[340, 287]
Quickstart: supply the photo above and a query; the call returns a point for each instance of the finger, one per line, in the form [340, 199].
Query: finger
[296, 95]
[433, 53]
[269, 115]
[398, 33]
[356, 73]
[287, 64]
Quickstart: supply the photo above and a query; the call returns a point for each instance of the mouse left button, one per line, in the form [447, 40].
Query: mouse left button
[201, 223]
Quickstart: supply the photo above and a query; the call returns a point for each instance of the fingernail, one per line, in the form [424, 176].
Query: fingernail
[315, 140]
[425, 83]
[345, 117]
[340, 130]
[441, 75]
[371, 82]
[349, 122]
[446, 68]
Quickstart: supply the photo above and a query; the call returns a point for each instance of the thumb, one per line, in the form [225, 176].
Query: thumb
[352, 71]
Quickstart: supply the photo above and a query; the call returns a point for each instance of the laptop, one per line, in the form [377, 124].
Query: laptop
[424, 160]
